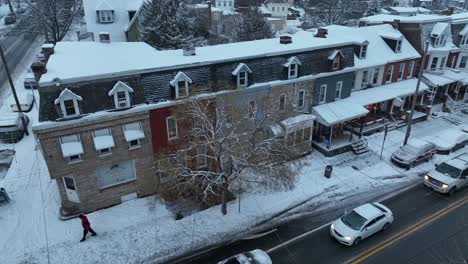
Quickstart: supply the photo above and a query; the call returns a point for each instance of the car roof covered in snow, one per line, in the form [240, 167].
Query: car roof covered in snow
[368, 211]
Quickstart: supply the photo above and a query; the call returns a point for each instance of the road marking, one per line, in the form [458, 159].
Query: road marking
[408, 231]
[298, 237]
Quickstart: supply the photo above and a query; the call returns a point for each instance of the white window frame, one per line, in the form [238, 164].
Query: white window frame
[246, 79]
[443, 61]
[201, 157]
[464, 40]
[363, 52]
[138, 141]
[410, 69]
[117, 101]
[392, 67]
[103, 152]
[461, 60]
[365, 78]
[168, 129]
[177, 87]
[131, 144]
[75, 106]
[398, 45]
[282, 99]
[375, 76]
[436, 64]
[401, 71]
[293, 68]
[299, 99]
[336, 63]
[338, 88]
[323, 90]
[104, 15]
[79, 156]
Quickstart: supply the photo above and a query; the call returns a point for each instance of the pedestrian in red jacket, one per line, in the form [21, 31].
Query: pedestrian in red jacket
[86, 227]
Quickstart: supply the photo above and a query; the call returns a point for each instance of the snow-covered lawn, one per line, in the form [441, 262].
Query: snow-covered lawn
[143, 230]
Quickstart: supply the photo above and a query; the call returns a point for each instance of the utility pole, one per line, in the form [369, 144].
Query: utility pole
[415, 95]
[10, 80]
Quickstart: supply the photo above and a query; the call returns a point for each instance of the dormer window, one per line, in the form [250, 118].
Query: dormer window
[181, 85]
[121, 93]
[293, 66]
[242, 75]
[363, 50]
[105, 13]
[398, 46]
[336, 57]
[438, 37]
[68, 102]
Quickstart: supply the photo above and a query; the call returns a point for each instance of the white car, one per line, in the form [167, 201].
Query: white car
[448, 140]
[450, 176]
[256, 256]
[361, 223]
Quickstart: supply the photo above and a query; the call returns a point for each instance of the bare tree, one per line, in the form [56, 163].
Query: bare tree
[53, 18]
[221, 152]
[330, 12]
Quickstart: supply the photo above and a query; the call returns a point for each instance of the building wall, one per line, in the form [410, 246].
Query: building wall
[406, 73]
[84, 172]
[370, 76]
[413, 33]
[346, 78]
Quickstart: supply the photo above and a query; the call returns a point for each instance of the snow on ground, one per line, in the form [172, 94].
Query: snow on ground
[143, 230]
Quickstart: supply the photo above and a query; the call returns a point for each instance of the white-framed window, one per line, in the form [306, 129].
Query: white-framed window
[363, 52]
[410, 69]
[242, 79]
[434, 63]
[116, 174]
[201, 156]
[375, 78]
[292, 70]
[398, 46]
[252, 109]
[272, 9]
[103, 141]
[71, 148]
[181, 85]
[439, 41]
[338, 88]
[336, 63]
[299, 136]
[70, 108]
[388, 76]
[401, 71]
[365, 78]
[133, 134]
[171, 124]
[463, 61]
[282, 102]
[442, 62]
[106, 16]
[300, 98]
[68, 102]
[323, 94]
[464, 40]
[121, 93]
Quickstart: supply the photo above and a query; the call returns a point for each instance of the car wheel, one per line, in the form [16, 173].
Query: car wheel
[410, 166]
[386, 226]
[357, 241]
[452, 191]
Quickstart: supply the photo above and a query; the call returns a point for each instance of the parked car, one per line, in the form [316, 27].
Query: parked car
[30, 81]
[10, 19]
[26, 102]
[256, 256]
[414, 152]
[361, 223]
[11, 127]
[448, 140]
[450, 176]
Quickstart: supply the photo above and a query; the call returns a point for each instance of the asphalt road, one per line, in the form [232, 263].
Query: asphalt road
[437, 241]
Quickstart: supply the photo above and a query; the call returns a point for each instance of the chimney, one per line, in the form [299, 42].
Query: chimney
[189, 50]
[285, 39]
[210, 22]
[396, 24]
[38, 69]
[321, 33]
[47, 50]
[104, 37]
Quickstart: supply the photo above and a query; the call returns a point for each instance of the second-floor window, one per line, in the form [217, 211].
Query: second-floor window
[434, 63]
[375, 78]
[339, 86]
[442, 62]
[106, 16]
[401, 71]
[300, 98]
[171, 124]
[410, 69]
[463, 61]
[71, 148]
[323, 94]
[388, 76]
[282, 102]
[464, 40]
[133, 134]
[103, 141]
[365, 78]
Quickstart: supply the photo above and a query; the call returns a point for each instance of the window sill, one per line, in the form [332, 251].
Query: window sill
[104, 155]
[135, 147]
[116, 185]
[74, 162]
[172, 138]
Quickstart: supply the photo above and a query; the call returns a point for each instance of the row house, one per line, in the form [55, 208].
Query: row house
[106, 121]
[381, 90]
[441, 70]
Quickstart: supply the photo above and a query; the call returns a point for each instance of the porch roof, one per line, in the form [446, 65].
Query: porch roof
[298, 122]
[447, 77]
[385, 92]
[338, 112]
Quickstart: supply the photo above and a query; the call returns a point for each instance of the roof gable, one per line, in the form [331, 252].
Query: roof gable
[103, 5]
[67, 95]
[335, 53]
[292, 60]
[241, 67]
[180, 76]
[439, 28]
[120, 87]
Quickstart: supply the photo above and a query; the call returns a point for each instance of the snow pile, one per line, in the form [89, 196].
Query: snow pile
[447, 139]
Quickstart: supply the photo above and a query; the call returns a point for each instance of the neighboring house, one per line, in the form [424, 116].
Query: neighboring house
[224, 5]
[119, 18]
[402, 3]
[405, 11]
[279, 8]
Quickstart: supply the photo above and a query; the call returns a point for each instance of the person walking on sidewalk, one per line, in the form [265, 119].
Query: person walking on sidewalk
[86, 227]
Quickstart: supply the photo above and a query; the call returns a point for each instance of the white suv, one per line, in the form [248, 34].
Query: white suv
[449, 176]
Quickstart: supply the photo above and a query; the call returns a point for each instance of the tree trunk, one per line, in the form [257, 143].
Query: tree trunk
[224, 202]
[10, 6]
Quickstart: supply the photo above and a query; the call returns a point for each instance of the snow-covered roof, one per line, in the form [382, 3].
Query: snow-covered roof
[459, 17]
[391, 35]
[377, 45]
[439, 28]
[93, 60]
[103, 142]
[338, 112]
[119, 87]
[67, 95]
[10, 119]
[103, 5]
[464, 31]
[402, 9]
[419, 18]
[180, 76]
[292, 60]
[385, 92]
[71, 149]
[368, 211]
[446, 77]
[241, 67]
[298, 122]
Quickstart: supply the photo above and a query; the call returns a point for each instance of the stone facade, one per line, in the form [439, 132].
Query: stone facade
[91, 197]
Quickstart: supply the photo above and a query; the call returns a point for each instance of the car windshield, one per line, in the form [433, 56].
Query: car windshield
[353, 220]
[448, 170]
[410, 149]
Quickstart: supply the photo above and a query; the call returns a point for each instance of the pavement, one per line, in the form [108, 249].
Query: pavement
[424, 231]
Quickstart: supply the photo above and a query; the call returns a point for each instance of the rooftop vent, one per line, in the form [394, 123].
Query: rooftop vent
[321, 33]
[189, 50]
[285, 40]
[104, 37]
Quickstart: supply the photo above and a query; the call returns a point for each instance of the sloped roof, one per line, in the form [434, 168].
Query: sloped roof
[241, 66]
[67, 93]
[103, 5]
[439, 28]
[120, 86]
[292, 60]
[180, 76]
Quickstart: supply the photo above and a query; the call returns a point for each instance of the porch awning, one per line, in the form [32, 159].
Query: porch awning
[298, 122]
[385, 92]
[446, 77]
[338, 112]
